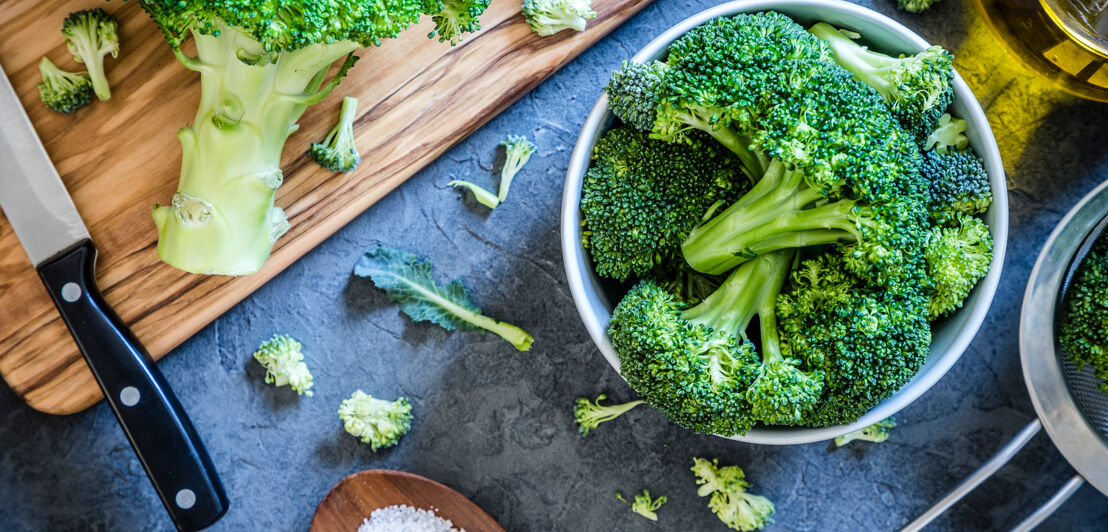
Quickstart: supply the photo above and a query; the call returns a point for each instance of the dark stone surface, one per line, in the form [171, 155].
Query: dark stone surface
[496, 424]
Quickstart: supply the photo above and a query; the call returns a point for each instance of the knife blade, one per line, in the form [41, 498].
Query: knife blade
[45, 220]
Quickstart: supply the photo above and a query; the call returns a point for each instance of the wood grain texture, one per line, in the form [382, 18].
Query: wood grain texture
[355, 497]
[117, 158]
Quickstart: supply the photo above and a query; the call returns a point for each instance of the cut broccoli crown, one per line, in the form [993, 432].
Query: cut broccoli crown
[877, 433]
[644, 505]
[1084, 324]
[958, 184]
[730, 501]
[456, 18]
[284, 364]
[61, 91]
[642, 197]
[547, 17]
[517, 151]
[377, 422]
[337, 152]
[590, 414]
[915, 6]
[89, 36]
[957, 257]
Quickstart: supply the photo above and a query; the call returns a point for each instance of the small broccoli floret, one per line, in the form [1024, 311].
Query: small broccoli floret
[482, 195]
[957, 257]
[61, 91]
[377, 422]
[518, 151]
[457, 17]
[632, 90]
[917, 88]
[284, 364]
[877, 433]
[949, 134]
[589, 414]
[548, 17]
[915, 6]
[337, 152]
[958, 184]
[1084, 332]
[643, 505]
[89, 36]
[730, 501]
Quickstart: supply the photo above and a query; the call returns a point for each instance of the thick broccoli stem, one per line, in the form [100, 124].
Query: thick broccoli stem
[754, 161]
[869, 67]
[222, 219]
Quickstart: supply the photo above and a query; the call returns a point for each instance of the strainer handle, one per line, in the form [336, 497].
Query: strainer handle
[1048, 507]
[984, 472]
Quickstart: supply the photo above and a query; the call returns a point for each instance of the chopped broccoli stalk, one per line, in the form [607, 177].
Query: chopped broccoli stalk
[90, 35]
[261, 65]
[948, 135]
[918, 88]
[547, 17]
[482, 195]
[958, 184]
[590, 414]
[915, 6]
[406, 278]
[643, 505]
[957, 257]
[730, 501]
[378, 422]
[61, 91]
[284, 364]
[337, 152]
[877, 433]
[1084, 327]
[518, 151]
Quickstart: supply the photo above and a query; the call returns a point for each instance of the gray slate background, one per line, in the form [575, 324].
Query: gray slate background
[496, 424]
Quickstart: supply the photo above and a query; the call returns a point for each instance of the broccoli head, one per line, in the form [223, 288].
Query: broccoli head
[958, 184]
[337, 152]
[877, 433]
[90, 35]
[957, 257]
[1084, 323]
[284, 364]
[378, 422]
[730, 501]
[61, 91]
[547, 17]
[590, 414]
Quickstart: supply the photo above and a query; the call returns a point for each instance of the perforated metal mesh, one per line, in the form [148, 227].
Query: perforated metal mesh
[1092, 402]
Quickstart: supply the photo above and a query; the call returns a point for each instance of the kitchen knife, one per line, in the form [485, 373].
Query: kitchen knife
[44, 218]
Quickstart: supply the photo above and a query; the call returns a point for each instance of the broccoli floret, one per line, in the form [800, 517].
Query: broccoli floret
[915, 6]
[547, 17]
[877, 433]
[279, 54]
[632, 90]
[730, 501]
[481, 194]
[518, 151]
[1084, 324]
[61, 91]
[378, 422]
[641, 198]
[949, 134]
[337, 152]
[89, 36]
[918, 88]
[284, 364]
[589, 414]
[957, 257]
[958, 184]
[643, 505]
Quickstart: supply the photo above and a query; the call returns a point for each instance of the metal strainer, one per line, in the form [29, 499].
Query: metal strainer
[1069, 405]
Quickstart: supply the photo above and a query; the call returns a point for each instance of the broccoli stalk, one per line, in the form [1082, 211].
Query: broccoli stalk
[61, 91]
[377, 422]
[877, 433]
[481, 194]
[261, 66]
[518, 151]
[89, 36]
[284, 364]
[337, 152]
[643, 505]
[547, 17]
[590, 414]
[948, 135]
[730, 501]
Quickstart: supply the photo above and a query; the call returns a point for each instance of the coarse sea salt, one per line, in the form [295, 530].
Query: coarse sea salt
[404, 518]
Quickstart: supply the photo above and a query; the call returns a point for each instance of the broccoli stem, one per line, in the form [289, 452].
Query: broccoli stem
[223, 220]
[754, 162]
[869, 67]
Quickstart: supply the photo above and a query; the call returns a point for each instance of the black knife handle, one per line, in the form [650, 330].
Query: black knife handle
[156, 425]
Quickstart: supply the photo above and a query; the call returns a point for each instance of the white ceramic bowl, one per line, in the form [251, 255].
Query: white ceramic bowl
[951, 336]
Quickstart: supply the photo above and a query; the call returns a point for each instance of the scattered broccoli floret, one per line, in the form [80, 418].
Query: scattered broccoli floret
[279, 55]
[284, 364]
[406, 278]
[641, 198]
[877, 433]
[1084, 327]
[590, 414]
[730, 501]
[643, 505]
[61, 91]
[548, 17]
[949, 134]
[918, 88]
[90, 35]
[958, 184]
[957, 257]
[915, 6]
[337, 152]
[483, 196]
[518, 151]
[377, 422]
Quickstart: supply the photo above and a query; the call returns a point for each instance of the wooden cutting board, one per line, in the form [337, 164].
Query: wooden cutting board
[417, 98]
